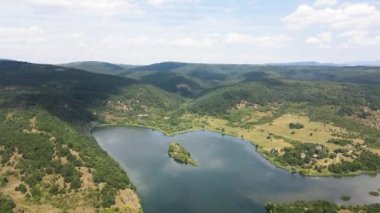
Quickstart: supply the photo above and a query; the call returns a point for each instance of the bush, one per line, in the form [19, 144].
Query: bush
[107, 196]
[33, 178]
[75, 184]
[345, 198]
[375, 194]
[340, 142]
[6, 204]
[21, 188]
[4, 181]
[54, 189]
[36, 193]
[296, 126]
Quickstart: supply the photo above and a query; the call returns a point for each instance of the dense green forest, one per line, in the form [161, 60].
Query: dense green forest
[98, 67]
[48, 112]
[318, 206]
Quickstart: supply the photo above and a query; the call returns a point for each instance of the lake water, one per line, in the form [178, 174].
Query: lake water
[230, 177]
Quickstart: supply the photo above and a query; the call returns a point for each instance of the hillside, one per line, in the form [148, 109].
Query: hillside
[194, 80]
[200, 78]
[48, 160]
[190, 80]
[98, 67]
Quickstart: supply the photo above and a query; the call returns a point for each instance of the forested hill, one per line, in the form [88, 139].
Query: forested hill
[98, 67]
[64, 92]
[47, 159]
[196, 79]
[226, 72]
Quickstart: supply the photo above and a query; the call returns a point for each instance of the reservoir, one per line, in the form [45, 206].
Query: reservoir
[230, 177]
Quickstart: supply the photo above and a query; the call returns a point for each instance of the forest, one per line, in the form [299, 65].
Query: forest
[318, 206]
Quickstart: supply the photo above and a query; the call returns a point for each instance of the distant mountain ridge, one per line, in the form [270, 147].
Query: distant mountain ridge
[365, 63]
[315, 63]
[170, 66]
[98, 67]
[305, 63]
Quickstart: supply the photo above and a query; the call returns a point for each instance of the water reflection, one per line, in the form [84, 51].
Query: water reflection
[231, 176]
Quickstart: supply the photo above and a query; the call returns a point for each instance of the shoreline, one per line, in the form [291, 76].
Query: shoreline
[257, 149]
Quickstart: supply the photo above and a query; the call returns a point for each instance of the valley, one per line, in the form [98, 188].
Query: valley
[297, 120]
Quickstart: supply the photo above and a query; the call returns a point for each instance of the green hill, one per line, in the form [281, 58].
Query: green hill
[64, 92]
[194, 80]
[98, 67]
[45, 147]
[264, 92]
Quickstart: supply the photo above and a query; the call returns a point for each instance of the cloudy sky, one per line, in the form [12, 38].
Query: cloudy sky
[210, 31]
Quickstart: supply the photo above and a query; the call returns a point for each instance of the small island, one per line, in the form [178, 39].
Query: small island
[180, 154]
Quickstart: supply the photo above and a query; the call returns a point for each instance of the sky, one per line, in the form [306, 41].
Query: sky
[212, 31]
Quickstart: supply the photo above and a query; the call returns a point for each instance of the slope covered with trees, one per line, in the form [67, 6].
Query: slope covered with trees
[47, 155]
[318, 206]
[98, 67]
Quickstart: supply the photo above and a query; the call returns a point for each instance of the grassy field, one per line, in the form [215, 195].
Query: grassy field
[277, 136]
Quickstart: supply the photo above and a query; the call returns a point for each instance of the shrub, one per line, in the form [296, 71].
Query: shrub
[21, 188]
[4, 181]
[373, 193]
[36, 193]
[340, 142]
[54, 189]
[345, 198]
[6, 204]
[296, 126]
[75, 184]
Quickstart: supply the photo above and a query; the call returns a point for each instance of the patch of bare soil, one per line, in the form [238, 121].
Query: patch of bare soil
[86, 178]
[344, 211]
[371, 118]
[127, 201]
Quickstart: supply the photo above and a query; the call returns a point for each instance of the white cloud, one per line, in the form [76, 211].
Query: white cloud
[194, 42]
[114, 41]
[100, 4]
[39, 42]
[322, 40]
[103, 7]
[35, 36]
[322, 3]
[343, 17]
[262, 41]
[48, 3]
[163, 2]
[359, 39]
[353, 33]
[10, 37]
